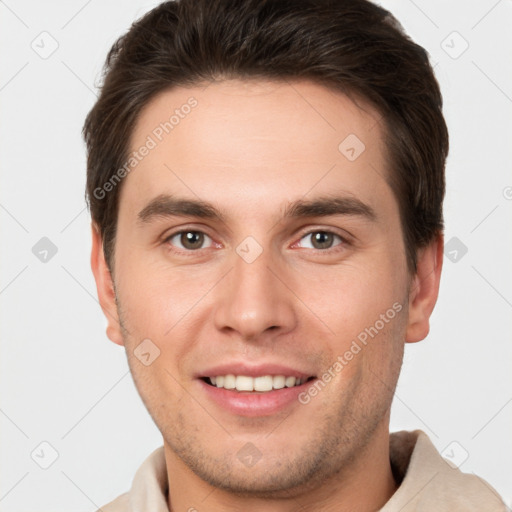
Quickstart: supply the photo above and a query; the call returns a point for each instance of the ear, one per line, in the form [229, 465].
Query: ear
[424, 289]
[105, 287]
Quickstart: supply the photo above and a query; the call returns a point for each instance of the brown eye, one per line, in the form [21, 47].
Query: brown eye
[189, 240]
[321, 240]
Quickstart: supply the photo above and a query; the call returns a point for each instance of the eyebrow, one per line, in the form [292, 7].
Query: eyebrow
[166, 205]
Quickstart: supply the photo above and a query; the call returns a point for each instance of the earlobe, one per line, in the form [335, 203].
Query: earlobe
[424, 290]
[105, 287]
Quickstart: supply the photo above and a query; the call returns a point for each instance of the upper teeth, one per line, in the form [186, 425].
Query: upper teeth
[263, 383]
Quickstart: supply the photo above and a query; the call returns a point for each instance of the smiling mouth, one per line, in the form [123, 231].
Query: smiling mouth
[261, 384]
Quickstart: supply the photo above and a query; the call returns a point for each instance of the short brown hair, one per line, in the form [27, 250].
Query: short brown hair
[351, 46]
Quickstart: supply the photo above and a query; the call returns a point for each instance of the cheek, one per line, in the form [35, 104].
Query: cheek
[158, 387]
[349, 299]
[155, 300]
[168, 307]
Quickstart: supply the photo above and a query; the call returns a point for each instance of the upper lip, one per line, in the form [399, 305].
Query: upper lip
[242, 368]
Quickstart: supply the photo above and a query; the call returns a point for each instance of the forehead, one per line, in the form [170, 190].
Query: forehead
[261, 141]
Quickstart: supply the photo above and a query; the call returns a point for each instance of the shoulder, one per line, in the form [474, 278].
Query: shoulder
[430, 482]
[148, 490]
[120, 504]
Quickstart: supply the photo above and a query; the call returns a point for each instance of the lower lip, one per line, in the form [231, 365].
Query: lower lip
[247, 403]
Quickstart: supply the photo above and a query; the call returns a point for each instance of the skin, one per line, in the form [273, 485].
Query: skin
[251, 148]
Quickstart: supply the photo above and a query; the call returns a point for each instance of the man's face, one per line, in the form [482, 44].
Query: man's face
[264, 290]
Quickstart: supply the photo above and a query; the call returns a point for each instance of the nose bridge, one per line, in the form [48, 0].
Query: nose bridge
[253, 300]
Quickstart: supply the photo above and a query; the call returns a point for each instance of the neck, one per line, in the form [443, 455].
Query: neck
[366, 485]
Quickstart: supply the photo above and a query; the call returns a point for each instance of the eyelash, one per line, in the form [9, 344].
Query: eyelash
[188, 252]
[343, 241]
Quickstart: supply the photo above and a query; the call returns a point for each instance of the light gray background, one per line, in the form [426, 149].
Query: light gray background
[64, 383]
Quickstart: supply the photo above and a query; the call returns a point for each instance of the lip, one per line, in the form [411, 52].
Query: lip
[242, 368]
[253, 404]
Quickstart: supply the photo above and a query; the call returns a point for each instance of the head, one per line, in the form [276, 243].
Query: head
[265, 181]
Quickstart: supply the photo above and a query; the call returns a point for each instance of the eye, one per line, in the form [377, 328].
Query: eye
[189, 240]
[321, 240]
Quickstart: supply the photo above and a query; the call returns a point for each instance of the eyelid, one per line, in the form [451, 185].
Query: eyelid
[343, 234]
[345, 241]
[345, 238]
[166, 237]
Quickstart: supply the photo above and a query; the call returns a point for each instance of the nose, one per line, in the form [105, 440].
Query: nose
[255, 301]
